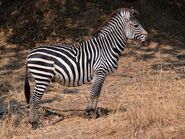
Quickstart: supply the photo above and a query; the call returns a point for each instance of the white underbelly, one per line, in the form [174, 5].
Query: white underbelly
[72, 83]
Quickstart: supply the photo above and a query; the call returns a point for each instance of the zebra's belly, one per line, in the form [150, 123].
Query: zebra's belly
[71, 82]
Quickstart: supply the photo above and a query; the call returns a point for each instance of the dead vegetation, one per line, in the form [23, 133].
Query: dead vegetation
[145, 97]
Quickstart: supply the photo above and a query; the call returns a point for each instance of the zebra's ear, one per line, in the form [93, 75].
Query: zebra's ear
[125, 13]
[134, 12]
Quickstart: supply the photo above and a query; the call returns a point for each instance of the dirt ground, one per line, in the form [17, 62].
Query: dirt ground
[145, 97]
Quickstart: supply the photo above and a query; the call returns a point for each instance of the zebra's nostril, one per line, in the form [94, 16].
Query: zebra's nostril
[148, 37]
[145, 34]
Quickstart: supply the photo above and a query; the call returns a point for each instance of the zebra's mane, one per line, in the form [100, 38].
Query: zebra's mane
[106, 22]
[116, 12]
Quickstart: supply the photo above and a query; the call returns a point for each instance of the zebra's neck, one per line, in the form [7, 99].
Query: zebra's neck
[113, 41]
[112, 36]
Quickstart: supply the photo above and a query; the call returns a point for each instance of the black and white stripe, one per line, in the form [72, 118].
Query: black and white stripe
[78, 64]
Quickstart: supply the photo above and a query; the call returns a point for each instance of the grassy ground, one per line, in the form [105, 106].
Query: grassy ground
[145, 96]
[144, 103]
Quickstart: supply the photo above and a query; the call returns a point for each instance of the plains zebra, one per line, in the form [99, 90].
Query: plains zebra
[78, 64]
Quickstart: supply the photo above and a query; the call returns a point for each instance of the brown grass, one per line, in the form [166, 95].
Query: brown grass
[149, 106]
[146, 95]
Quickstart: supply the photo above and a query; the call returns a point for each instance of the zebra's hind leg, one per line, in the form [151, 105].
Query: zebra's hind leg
[95, 91]
[34, 104]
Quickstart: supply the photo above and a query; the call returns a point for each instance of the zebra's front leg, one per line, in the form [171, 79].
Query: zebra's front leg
[95, 91]
[34, 109]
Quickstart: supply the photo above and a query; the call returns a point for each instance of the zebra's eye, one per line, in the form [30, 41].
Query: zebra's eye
[136, 26]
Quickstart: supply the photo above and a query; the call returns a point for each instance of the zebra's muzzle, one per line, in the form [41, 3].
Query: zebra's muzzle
[148, 38]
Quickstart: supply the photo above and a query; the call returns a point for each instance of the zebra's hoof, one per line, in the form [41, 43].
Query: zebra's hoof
[35, 125]
[90, 113]
[100, 112]
[96, 113]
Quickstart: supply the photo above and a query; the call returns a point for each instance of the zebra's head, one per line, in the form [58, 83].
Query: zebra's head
[133, 29]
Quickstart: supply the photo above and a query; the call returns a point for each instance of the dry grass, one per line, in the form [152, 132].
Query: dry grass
[149, 106]
[144, 102]
[146, 95]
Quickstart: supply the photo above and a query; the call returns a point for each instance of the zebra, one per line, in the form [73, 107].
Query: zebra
[80, 63]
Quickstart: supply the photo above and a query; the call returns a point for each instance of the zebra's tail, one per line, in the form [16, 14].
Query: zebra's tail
[27, 86]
